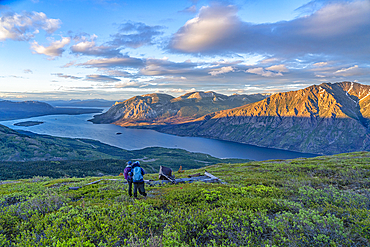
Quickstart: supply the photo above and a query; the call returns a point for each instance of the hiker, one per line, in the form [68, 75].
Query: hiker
[128, 177]
[137, 177]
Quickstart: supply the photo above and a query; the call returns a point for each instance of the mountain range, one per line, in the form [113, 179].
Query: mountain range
[10, 110]
[164, 109]
[322, 119]
[82, 103]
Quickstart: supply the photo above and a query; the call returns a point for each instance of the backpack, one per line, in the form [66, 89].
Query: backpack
[137, 174]
[127, 173]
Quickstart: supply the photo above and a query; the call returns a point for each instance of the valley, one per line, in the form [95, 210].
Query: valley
[77, 126]
[323, 119]
[26, 154]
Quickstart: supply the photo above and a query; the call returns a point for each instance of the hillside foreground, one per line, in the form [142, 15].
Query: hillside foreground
[322, 201]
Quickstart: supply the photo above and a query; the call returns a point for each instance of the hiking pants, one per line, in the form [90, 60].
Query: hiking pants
[139, 186]
[129, 187]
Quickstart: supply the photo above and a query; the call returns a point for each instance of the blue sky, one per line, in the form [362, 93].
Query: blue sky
[108, 49]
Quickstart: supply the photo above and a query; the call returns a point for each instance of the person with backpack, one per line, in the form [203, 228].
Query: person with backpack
[128, 176]
[137, 174]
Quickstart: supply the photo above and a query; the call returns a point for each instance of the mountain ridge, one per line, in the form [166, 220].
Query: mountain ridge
[322, 119]
[163, 109]
[10, 110]
[81, 103]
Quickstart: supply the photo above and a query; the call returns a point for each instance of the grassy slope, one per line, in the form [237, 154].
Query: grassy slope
[322, 201]
[150, 158]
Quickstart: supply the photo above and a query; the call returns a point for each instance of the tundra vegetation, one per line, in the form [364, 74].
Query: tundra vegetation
[322, 201]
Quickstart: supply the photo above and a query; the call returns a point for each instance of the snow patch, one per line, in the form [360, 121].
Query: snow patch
[350, 87]
[351, 98]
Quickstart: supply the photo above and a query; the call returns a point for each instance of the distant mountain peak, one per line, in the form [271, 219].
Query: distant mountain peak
[200, 95]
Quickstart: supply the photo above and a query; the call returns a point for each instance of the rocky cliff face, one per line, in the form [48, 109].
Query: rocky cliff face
[323, 119]
[162, 109]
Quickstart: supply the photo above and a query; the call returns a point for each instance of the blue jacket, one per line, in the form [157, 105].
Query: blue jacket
[142, 173]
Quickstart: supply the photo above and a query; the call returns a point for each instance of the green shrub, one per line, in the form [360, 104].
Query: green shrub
[308, 228]
[323, 201]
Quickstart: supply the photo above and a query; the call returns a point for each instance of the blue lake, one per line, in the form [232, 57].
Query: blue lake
[77, 126]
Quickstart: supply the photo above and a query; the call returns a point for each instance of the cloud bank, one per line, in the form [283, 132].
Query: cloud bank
[340, 28]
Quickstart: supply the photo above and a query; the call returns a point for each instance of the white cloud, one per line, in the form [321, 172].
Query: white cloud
[127, 84]
[320, 64]
[22, 27]
[61, 75]
[69, 64]
[295, 86]
[262, 72]
[179, 90]
[212, 26]
[101, 78]
[162, 67]
[222, 70]
[116, 73]
[338, 18]
[113, 62]
[278, 68]
[269, 60]
[347, 69]
[351, 71]
[86, 47]
[55, 49]
[272, 71]
[339, 28]
[250, 88]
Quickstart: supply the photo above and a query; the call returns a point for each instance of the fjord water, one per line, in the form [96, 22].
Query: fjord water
[77, 126]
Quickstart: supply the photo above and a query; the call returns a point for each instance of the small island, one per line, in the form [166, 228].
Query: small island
[28, 123]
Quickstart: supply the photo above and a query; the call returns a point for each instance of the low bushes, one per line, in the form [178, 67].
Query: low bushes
[302, 208]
